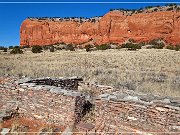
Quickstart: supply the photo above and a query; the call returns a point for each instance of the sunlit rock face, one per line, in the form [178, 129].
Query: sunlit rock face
[113, 27]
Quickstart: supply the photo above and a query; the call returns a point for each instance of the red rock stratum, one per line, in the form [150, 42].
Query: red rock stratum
[113, 27]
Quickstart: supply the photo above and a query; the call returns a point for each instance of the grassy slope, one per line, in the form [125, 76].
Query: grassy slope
[152, 71]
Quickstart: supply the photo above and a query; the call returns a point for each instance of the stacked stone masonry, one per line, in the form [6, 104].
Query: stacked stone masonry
[48, 103]
[114, 109]
[149, 112]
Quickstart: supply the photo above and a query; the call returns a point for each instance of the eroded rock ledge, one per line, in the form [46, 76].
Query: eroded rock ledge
[116, 26]
[115, 110]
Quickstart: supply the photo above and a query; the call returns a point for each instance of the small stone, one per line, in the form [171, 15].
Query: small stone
[31, 84]
[24, 84]
[55, 130]
[104, 95]
[56, 90]
[172, 107]
[131, 118]
[21, 89]
[176, 128]
[166, 101]
[37, 116]
[47, 87]
[112, 97]
[74, 94]
[38, 87]
[161, 109]
[133, 98]
[120, 95]
[24, 80]
[5, 131]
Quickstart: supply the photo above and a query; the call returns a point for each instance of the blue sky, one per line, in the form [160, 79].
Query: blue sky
[13, 14]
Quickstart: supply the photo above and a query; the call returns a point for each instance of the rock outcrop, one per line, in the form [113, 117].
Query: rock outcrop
[108, 109]
[113, 27]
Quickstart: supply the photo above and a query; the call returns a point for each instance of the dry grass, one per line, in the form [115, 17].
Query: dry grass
[150, 71]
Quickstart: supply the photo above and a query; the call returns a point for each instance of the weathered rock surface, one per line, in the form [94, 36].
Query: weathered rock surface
[113, 109]
[5, 131]
[113, 27]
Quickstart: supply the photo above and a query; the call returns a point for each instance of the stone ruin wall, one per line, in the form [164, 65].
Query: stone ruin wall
[140, 116]
[38, 103]
[51, 108]
[113, 110]
[138, 111]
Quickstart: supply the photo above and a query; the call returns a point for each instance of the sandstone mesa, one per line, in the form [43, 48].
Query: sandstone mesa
[65, 103]
[113, 27]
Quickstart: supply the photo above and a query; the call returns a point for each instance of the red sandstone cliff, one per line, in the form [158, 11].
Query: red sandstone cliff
[114, 27]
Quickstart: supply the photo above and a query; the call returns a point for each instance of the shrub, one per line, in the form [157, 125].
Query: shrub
[5, 50]
[178, 8]
[149, 46]
[148, 7]
[11, 47]
[59, 48]
[88, 48]
[16, 50]
[177, 47]
[159, 46]
[131, 46]
[114, 45]
[153, 42]
[48, 47]
[51, 48]
[36, 49]
[170, 8]
[171, 47]
[171, 4]
[103, 47]
[155, 10]
[142, 44]
[63, 43]
[157, 43]
[25, 46]
[131, 40]
[16, 47]
[70, 47]
[45, 47]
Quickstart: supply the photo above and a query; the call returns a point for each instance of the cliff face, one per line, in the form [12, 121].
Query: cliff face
[114, 27]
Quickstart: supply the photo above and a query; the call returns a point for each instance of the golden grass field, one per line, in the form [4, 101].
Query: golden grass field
[146, 70]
